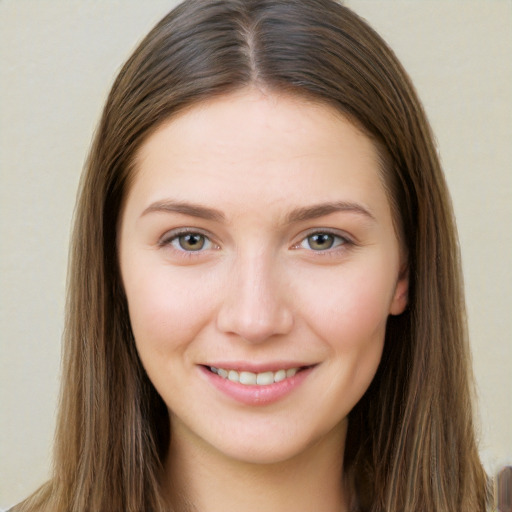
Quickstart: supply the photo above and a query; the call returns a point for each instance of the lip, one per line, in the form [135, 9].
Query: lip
[246, 366]
[257, 395]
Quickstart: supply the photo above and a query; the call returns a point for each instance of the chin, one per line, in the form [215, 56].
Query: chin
[268, 454]
[264, 448]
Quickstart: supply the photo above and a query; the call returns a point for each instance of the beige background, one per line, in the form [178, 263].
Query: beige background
[57, 60]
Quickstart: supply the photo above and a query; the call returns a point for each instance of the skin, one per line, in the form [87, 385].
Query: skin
[260, 290]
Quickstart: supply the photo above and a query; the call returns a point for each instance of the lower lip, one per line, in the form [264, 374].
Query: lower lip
[257, 395]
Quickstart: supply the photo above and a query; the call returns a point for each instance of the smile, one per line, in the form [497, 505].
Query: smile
[256, 388]
[254, 379]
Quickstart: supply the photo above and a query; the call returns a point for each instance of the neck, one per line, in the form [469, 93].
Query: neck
[209, 481]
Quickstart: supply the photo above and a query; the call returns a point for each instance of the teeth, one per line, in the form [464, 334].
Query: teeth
[254, 379]
[291, 372]
[247, 378]
[280, 375]
[265, 378]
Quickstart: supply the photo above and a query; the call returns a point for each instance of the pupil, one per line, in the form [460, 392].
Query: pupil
[321, 241]
[192, 242]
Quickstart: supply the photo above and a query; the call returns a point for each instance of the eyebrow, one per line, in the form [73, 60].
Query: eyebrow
[320, 210]
[297, 215]
[185, 208]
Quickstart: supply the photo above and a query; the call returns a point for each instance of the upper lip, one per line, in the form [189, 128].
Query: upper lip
[254, 367]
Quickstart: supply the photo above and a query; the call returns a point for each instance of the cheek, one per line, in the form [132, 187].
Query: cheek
[167, 308]
[349, 309]
[350, 319]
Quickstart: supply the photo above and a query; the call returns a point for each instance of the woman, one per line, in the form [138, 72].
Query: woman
[265, 304]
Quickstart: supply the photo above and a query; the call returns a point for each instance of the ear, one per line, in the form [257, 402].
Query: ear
[401, 295]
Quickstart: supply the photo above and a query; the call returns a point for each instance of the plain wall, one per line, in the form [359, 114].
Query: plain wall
[57, 61]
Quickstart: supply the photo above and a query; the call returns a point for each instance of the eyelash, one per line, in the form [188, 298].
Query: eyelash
[169, 240]
[340, 242]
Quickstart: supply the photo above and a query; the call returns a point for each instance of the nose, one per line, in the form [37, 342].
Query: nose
[255, 305]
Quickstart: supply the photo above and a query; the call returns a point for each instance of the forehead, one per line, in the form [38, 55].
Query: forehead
[251, 148]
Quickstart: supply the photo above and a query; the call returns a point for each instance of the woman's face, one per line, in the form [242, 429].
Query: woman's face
[260, 264]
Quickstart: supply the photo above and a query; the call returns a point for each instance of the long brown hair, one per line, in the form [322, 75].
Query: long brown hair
[410, 442]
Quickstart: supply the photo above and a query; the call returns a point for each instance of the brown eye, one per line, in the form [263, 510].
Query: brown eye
[322, 241]
[187, 241]
[191, 241]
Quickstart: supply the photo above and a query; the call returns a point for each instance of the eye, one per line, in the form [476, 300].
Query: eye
[322, 241]
[188, 241]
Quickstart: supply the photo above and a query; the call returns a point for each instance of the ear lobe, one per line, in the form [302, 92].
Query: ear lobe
[401, 295]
